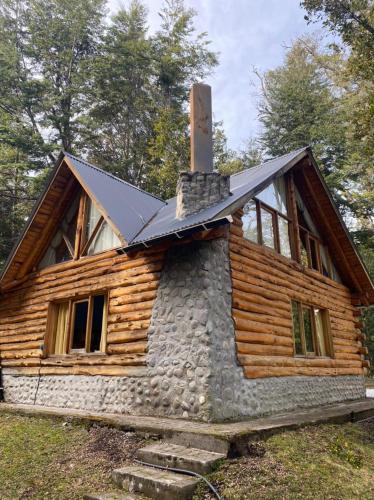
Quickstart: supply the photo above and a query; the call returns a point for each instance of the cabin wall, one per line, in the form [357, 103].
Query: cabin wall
[131, 285]
[171, 316]
[264, 283]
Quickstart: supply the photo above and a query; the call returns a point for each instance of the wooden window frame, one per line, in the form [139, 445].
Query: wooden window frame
[297, 228]
[326, 333]
[70, 326]
[275, 214]
[81, 244]
[294, 231]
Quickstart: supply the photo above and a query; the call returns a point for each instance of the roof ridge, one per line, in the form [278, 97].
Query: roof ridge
[304, 148]
[114, 177]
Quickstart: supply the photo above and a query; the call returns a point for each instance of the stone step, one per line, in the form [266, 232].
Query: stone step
[180, 457]
[202, 441]
[155, 483]
[113, 496]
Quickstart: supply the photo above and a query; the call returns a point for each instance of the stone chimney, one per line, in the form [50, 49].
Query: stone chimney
[201, 187]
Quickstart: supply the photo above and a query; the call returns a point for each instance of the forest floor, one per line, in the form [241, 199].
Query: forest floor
[44, 458]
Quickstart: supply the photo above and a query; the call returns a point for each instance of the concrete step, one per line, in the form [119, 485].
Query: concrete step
[113, 496]
[155, 483]
[201, 441]
[180, 457]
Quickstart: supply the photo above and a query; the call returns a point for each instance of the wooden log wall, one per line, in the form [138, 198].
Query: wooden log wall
[264, 283]
[131, 285]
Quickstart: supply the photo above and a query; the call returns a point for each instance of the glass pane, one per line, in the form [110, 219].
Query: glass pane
[304, 252]
[321, 333]
[249, 220]
[97, 322]
[58, 250]
[61, 329]
[296, 328]
[80, 324]
[325, 260]
[92, 218]
[308, 330]
[104, 240]
[275, 195]
[267, 228]
[284, 236]
[313, 254]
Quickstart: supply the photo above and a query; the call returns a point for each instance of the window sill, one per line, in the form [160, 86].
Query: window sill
[311, 356]
[77, 354]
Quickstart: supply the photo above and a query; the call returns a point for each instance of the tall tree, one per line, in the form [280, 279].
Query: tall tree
[48, 47]
[226, 160]
[300, 107]
[182, 57]
[46, 52]
[353, 21]
[119, 125]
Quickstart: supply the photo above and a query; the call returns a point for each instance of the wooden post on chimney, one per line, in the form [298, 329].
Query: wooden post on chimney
[201, 128]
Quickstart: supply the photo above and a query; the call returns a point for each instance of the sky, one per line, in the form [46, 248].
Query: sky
[247, 34]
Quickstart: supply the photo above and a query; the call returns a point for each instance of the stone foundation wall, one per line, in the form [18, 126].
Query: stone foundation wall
[132, 396]
[192, 367]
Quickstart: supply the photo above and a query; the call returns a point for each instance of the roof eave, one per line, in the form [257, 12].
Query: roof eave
[37, 204]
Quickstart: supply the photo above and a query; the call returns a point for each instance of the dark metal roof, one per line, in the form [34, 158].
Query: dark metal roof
[245, 184]
[127, 206]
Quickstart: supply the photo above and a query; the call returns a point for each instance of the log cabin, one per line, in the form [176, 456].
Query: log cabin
[239, 297]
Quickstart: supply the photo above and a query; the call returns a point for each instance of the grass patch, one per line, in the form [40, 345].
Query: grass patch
[316, 462]
[44, 458]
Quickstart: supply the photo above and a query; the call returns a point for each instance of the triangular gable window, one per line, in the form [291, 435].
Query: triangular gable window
[267, 220]
[61, 248]
[96, 234]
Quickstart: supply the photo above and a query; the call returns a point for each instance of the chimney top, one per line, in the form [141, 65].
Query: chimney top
[201, 128]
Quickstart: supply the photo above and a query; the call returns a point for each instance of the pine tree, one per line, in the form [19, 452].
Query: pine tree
[182, 57]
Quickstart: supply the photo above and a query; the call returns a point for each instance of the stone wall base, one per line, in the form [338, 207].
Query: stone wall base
[132, 395]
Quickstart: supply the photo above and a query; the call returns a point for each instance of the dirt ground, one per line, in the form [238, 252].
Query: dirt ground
[43, 458]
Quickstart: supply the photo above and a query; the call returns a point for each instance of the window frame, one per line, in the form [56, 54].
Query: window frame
[260, 205]
[301, 306]
[81, 243]
[51, 324]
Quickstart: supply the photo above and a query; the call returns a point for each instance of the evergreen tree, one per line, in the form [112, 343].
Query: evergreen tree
[182, 57]
[119, 125]
[300, 107]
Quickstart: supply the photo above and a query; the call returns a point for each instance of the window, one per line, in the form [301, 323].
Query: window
[61, 248]
[78, 326]
[265, 219]
[314, 254]
[73, 240]
[98, 234]
[310, 330]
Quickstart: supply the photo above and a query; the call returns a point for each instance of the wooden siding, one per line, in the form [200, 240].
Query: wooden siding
[264, 283]
[131, 285]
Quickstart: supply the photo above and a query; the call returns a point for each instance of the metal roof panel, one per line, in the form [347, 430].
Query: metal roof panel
[128, 207]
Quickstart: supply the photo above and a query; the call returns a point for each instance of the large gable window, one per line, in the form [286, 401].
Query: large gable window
[265, 219]
[82, 231]
[278, 219]
[61, 248]
[99, 236]
[313, 252]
